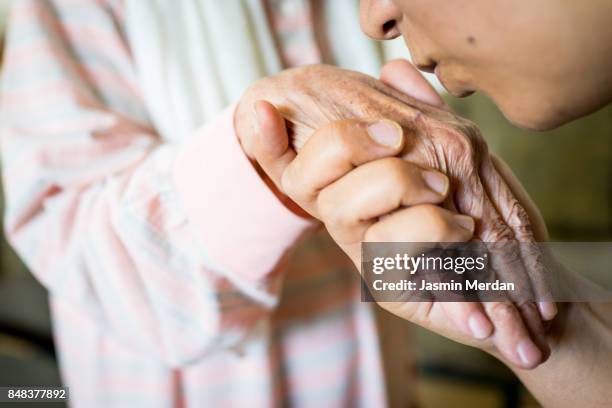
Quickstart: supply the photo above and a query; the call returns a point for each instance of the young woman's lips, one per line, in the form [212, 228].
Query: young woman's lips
[452, 87]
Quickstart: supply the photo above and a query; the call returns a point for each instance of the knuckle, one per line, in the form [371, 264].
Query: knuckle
[397, 177]
[430, 213]
[395, 168]
[312, 71]
[341, 219]
[288, 183]
[406, 176]
[333, 212]
[325, 207]
[502, 312]
[374, 234]
[342, 135]
[445, 232]
[527, 307]
[498, 231]
[440, 227]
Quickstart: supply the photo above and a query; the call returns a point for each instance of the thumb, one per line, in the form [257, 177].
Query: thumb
[404, 77]
[271, 147]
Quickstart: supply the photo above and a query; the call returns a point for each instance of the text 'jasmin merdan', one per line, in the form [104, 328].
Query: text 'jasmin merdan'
[407, 285]
[412, 264]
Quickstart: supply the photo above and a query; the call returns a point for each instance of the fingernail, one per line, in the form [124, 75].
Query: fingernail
[436, 181]
[465, 222]
[480, 326]
[386, 133]
[548, 310]
[529, 354]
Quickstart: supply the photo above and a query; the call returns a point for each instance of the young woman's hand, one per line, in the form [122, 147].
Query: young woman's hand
[312, 97]
[348, 176]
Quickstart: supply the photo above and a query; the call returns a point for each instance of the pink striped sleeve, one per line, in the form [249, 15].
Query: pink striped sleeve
[91, 201]
[260, 229]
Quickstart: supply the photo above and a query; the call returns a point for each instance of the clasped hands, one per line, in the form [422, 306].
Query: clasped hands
[386, 160]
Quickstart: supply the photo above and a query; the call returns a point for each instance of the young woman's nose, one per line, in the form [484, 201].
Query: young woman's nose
[380, 19]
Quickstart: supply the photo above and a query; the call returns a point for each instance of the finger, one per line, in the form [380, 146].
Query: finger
[540, 232]
[271, 148]
[538, 274]
[375, 189]
[524, 298]
[511, 337]
[404, 77]
[507, 262]
[333, 151]
[535, 326]
[428, 223]
[470, 318]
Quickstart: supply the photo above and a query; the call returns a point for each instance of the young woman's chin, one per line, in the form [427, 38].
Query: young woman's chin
[539, 112]
[531, 113]
[538, 123]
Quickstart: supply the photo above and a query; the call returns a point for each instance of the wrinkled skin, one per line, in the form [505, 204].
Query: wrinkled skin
[436, 139]
[311, 97]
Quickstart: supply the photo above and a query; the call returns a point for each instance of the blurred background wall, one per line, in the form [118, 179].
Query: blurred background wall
[568, 172]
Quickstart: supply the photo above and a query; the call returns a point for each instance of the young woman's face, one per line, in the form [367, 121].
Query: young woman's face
[543, 62]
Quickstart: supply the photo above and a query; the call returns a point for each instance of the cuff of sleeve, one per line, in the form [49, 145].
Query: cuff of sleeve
[243, 226]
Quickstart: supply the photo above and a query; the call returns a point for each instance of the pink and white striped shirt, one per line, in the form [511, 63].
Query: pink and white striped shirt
[107, 215]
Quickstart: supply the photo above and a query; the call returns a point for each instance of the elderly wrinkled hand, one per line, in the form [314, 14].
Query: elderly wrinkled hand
[311, 98]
